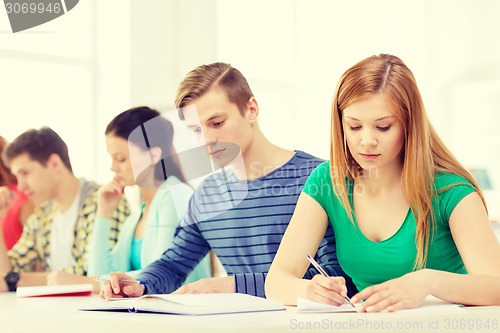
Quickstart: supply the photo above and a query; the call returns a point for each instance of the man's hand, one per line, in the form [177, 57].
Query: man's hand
[224, 284]
[114, 289]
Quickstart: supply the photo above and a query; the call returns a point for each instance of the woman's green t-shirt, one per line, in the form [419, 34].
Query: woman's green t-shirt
[368, 262]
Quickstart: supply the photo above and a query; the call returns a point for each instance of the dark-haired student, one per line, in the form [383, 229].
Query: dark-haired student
[164, 196]
[240, 212]
[55, 236]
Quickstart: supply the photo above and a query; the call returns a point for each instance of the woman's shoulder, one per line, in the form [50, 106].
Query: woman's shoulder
[319, 178]
[447, 179]
[173, 187]
[322, 168]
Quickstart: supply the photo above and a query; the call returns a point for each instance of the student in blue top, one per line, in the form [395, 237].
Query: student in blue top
[164, 195]
[409, 219]
[139, 142]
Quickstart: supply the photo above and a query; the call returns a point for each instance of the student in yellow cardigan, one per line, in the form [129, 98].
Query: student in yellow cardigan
[139, 142]
[55, 236]
[409, 219]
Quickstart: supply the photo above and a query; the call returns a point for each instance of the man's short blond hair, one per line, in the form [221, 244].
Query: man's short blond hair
[201, 79]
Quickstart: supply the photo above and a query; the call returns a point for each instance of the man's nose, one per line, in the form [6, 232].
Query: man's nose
[209, 137]
[22, 185]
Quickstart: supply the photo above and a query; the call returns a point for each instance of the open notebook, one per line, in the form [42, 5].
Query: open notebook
[63, 290]
[190, 304]
[431, 303]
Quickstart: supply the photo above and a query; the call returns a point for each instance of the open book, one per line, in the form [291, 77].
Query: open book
[431, 303]
[191, 304]
[62, 290]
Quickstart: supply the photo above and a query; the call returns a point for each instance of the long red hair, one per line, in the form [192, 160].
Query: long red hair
[423, 153]
[6, 177]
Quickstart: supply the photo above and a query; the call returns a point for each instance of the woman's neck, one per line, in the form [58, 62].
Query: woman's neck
[147, 195]
[380, 180]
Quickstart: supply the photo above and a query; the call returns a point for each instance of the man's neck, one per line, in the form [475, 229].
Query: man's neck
[67, 190]
[262, 157]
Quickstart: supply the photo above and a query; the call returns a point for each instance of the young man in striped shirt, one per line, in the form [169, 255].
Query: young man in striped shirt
[241, 212]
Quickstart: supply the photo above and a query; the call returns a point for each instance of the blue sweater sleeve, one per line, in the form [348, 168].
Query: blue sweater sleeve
[250, 283]
[253, 283]
[169, 272]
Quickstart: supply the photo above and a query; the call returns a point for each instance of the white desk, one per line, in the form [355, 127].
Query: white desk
[60, 314]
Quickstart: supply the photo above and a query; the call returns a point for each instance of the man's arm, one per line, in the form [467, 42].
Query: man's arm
[25, 279]
[23, 256]
[169, 272]
[250, 283]
[253, 283]
[85, 226]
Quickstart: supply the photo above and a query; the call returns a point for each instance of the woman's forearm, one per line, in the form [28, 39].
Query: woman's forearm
[465, 289]
[285, 288]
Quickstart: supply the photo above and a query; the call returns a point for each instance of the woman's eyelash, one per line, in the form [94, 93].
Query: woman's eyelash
[380, 128]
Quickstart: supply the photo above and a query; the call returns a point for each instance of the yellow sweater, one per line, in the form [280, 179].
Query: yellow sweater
[32, 252]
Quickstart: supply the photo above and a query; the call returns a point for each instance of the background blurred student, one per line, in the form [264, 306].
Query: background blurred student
[15, 207]
[147, 159]
[56, 235]
[240, 212]
[409, 219]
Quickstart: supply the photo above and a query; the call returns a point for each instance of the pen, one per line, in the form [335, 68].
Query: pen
[123, 281]
[322, 271]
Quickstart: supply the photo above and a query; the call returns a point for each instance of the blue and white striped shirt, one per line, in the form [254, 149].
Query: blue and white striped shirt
[243, 222]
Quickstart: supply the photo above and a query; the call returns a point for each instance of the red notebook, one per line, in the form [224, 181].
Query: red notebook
[51, 291]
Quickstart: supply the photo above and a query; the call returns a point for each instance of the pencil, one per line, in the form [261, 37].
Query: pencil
[323, 272]
[123, 281]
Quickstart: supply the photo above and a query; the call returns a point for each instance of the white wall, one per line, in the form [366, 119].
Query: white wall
[78, 71]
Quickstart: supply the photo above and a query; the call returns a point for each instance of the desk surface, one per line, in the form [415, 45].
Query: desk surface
[60, 314]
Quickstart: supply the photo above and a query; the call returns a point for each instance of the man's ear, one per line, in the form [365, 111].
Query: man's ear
[155, 154]
[54, 162]
[252, 110]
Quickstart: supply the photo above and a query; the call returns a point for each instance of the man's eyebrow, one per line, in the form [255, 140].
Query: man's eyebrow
[19, 170]
[216, 115]
[212, 117]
